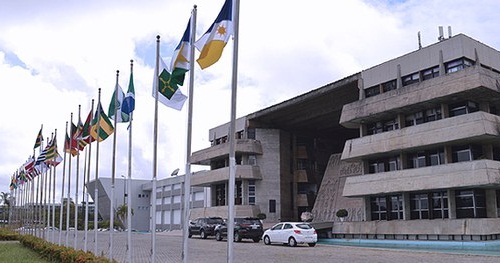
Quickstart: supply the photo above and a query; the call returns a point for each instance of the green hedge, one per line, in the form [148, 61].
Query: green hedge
[52, 252]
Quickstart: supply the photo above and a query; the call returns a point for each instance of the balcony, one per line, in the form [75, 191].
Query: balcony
[473, 126]
[480, 173]
[208, 177]
[471, 83]
[247, 146]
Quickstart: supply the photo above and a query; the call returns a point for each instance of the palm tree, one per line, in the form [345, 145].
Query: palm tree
[121, 213]
[5, 198]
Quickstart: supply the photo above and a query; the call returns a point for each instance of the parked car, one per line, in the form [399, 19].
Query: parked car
[291, 233]
[244, 227]
[204, 226]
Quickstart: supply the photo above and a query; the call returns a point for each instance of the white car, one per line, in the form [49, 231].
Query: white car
[291, 233]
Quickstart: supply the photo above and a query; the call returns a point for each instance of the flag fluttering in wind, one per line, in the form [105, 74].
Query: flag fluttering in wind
[116, 105]
[85, 136]
[69, 143]
[39, 139]
[212, 43]
[128, 105]
[168, 87]
[105, 126]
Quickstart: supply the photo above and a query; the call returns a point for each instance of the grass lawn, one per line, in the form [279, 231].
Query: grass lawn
[13, 251]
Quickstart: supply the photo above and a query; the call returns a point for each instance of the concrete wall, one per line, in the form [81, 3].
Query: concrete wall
[269, 162]
[330, 198]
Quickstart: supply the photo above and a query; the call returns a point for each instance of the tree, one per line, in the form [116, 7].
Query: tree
[121, 213]
[5, 199]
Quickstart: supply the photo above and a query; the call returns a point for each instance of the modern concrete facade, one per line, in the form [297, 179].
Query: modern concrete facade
[169, 193]
[409, 147]
[428, 145]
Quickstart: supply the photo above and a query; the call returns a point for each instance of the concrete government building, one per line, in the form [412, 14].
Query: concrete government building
[409, 147]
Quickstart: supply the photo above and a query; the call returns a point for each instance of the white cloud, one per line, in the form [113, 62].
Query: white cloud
[286, 48]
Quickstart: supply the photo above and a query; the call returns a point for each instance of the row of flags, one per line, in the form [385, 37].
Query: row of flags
[210, 45]
[98, 125]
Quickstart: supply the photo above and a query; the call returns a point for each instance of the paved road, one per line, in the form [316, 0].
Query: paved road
[169, 247]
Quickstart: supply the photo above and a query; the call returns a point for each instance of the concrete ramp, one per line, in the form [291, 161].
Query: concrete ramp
[330, 199]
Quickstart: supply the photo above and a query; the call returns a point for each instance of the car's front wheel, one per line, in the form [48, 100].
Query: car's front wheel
[267, 240]
[292, 242]
[203, 235]
[218, 236]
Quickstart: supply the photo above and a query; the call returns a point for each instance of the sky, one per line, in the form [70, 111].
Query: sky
[56, 55]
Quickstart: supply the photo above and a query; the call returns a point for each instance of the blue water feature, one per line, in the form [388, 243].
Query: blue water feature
[491, 248]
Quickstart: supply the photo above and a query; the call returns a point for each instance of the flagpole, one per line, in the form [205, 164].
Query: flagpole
[78, 134]
[54, 196]
[155, 158]
[113, 172]
[62, 190]
[129, 188]
[187, 177]
[48, 184]
[232, 132]
[69, 180]
[87, 194]
[96, 191]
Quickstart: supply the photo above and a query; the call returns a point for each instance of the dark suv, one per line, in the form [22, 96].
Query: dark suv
[244, 227]
[204, 226]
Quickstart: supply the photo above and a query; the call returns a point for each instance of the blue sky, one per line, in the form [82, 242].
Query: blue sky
[54, 55]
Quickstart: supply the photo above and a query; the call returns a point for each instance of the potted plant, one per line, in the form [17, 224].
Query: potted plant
[342, 214]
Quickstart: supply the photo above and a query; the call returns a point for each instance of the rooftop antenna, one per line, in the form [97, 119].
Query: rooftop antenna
[449, 31]
[419, 41]
[441, 35]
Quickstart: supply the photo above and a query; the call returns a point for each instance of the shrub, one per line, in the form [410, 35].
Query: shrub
[342, 213]
[261, 216]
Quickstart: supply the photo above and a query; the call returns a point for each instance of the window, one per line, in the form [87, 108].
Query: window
[440, 204]
[433, 114]
[251, 192]
[391, 125]
[430, 73]
[471, 203]
[374, 128]
[383, 165]
[458, 64]
[419, 206]
[251, 133]
[372, 91]
[436, 157]
[396, 212]
[466, 153]
[414, 119]
[390, 85]
[220, 195]
[272, 206]
[464, 107]
[378, 208]
[410, 79]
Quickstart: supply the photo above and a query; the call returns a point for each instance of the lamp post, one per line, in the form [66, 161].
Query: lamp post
[174, 173]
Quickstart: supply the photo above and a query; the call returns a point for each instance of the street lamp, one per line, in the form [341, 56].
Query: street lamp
[124, 189]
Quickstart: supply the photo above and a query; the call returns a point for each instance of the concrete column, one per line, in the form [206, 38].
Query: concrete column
[448, 157]
[401, 120]
[361, 88]
[406, 206]
[362, 130]
[444, 111]
[244, 192]
[452, 204]
[491, 203]
[442, 69]
[366, 208]
[487, 151]
[399, 80]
